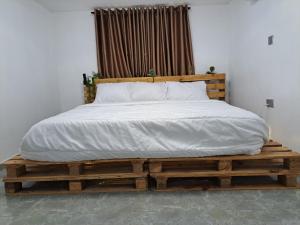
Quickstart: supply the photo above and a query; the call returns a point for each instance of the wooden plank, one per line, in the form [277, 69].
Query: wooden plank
[217, 86]
[124, 79]
[75, 185]
[161, 182]
[28, 191]
[262, 155]
[272, 144]
[288, 180]
[186, 78]
[137, 166]
[75, 169]
[182, 78]
[32, 162]
[241, 172]
[216, 95]
[15, 170]
[141, 183]
[259, 163]
[155, 167]
[225, 166]
[79, 177]
[275, 149]
[292, 164]
[231, 188]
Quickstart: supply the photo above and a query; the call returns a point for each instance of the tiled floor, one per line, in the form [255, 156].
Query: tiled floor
[240, 207]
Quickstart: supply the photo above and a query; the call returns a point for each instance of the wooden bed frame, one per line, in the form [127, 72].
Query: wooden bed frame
[276, 167]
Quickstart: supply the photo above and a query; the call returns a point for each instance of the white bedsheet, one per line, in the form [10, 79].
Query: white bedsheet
[146, 129]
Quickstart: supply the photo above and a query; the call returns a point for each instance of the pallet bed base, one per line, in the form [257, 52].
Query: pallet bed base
[26, 177]
[276, 167]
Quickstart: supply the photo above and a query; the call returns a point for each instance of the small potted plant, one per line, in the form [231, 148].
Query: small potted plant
[151, 73]
[90, 87]
[211, 70]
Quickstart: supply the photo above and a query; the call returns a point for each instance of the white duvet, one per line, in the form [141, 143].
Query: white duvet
[146, 130]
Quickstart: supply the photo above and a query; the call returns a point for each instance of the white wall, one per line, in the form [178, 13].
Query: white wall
[259, 71]
[210, 37]
[76, 46]
[28, 84]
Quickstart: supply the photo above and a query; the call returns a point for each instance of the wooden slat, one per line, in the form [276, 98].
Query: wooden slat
[217, 86]
[275, 149]
[141, 183]
[75, 169]
[288, 180]
[137, 166]
[231, 188]
[216, 95]
[127, 79]
[244, 172]
[197, 77]
[186, 78]
[31, 162]
[28, 177]
[225, 166]
[155, 167]
[292, 164]
[262, 155]
[161, 182]
[15, 170]
[75, 185]
[272, 144]
[29, 191]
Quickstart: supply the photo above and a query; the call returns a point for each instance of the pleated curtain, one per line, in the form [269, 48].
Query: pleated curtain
[132, 41]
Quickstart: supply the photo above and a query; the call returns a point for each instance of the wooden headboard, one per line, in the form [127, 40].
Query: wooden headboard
[215, 84]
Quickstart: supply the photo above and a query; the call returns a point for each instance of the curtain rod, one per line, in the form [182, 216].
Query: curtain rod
[136, 7]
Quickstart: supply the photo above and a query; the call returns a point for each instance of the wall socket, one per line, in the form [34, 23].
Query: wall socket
[271, 40]
[270, 103]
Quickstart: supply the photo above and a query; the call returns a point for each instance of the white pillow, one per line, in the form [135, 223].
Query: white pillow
[143, 91]
[112, 92]
[186, 90]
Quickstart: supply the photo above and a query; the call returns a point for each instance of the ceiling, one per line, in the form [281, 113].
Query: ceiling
[77, 5]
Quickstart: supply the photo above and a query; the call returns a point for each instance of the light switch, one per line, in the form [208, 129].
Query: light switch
[270, 103]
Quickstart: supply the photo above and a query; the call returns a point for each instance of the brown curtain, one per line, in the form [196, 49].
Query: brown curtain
[132, 41]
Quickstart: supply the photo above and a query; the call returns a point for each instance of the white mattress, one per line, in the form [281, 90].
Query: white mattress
[144, 130]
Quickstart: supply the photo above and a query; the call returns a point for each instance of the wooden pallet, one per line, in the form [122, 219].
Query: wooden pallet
[38, 177]
[276, 167]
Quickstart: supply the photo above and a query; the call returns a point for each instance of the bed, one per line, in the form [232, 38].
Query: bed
[167, 133]
[148, 129]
